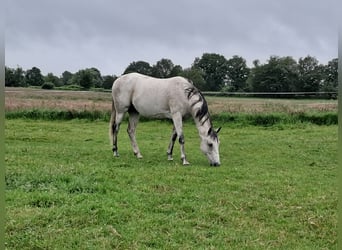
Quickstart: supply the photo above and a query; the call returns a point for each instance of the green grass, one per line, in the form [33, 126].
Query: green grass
[276, 188]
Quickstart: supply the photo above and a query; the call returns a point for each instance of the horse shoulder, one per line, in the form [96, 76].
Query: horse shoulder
[176, 96]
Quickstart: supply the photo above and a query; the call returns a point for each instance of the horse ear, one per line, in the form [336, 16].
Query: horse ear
[218, 130]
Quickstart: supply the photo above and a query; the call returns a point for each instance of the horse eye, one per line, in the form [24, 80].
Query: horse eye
[210, 145]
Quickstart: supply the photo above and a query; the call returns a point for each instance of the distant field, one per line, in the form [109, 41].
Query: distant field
[24, 99]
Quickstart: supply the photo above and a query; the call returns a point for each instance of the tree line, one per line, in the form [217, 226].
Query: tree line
[210, 72]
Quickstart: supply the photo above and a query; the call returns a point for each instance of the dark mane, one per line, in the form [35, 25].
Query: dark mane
[203, 111]
[213, 134]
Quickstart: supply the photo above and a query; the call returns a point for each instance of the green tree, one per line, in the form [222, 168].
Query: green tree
[85, 78]
[196, 76]
[108, 81]
[82, 78]
[96, 77]
[163, 68]
[215, 70]
[15, 77]
[330, 76]
[279, 74]
[66, 76]
[237, 74]
[9, 77]
[51, 78]
[141, 67]
[34, 77]
[310, 74]
[176, 71]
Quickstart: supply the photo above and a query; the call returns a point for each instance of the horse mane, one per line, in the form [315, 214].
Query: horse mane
[202, 114]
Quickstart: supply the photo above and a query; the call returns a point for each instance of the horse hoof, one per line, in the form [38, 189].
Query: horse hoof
[186, 163]
[139, 156]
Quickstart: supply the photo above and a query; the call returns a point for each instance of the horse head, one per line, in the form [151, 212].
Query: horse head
[210, 146]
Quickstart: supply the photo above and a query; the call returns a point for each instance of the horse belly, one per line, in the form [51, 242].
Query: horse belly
[159, 98]
[156, 107]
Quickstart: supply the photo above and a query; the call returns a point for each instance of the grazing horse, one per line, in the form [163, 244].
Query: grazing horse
[172, 98]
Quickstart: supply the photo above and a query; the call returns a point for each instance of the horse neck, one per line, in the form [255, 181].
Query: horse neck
[200, 112]
[203, 128]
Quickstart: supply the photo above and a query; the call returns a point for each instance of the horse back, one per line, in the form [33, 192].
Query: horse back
[151, 97]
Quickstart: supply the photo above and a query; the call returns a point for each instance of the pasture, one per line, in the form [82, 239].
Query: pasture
[17, 99]
[276, 187]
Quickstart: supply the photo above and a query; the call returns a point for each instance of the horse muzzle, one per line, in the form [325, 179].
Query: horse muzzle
[215, 164]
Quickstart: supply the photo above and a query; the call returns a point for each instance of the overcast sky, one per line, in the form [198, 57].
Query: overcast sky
[59, 35]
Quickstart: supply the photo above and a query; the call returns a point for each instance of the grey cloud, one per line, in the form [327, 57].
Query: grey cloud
[68, 35]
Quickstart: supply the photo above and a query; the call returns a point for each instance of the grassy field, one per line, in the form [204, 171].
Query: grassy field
[276, 188]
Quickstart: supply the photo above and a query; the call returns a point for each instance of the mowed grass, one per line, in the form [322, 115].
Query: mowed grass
[276, 188]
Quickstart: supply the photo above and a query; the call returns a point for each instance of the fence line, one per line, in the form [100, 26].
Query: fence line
[321, 95]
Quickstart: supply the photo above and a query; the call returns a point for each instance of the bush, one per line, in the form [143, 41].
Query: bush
[48, 85]
[70, 87]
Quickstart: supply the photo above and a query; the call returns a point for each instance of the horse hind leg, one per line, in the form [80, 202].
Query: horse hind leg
[113, 130]
[132, 124]
[115, 127]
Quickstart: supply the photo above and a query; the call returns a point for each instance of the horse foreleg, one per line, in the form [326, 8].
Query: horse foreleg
[177, 122]
[172, 143]
[132, 124]
[183, 157]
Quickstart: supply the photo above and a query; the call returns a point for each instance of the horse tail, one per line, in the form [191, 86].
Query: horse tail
[112, 122]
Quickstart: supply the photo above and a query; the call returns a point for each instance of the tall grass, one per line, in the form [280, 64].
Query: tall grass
[90, 105]
[43, 114]
[270, 119]
[259, 119]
